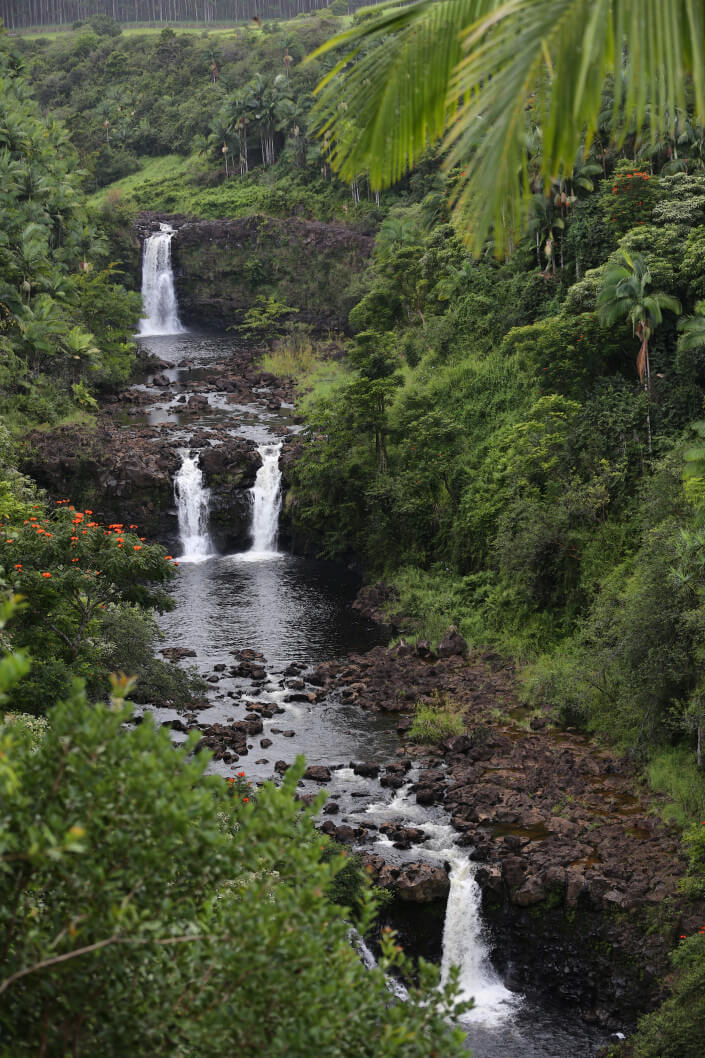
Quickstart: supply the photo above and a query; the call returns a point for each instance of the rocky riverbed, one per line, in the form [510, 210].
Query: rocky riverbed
[579, 875]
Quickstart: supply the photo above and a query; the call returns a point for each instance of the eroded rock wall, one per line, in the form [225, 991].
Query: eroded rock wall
[221, 267]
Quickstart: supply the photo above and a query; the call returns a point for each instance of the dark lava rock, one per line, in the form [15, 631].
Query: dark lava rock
[318, 773]
[366, 769]
[416, 883]
[177, 653]
[452, 644]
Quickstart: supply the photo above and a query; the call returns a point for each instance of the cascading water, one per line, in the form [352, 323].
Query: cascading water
[464, 945]
[463, 941]
[266, 502]
[192, 508]
[161, 314]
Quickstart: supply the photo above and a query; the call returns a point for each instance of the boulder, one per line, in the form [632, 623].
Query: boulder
[317, 773]
[420, 883]
[452, 644]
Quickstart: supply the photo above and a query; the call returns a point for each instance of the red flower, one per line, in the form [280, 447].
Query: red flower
[46, 574]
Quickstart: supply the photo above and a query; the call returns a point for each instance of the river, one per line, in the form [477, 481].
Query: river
[295, 612]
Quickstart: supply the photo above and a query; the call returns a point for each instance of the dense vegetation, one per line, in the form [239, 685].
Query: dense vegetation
[515, 444]
[146, 906]
[149, 908]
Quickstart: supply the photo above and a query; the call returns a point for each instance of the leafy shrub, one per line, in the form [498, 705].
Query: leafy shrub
[144, 904]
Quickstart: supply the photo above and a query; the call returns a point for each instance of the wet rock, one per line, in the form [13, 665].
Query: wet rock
[407, 835]
[265, 743]
[429, 795]
[345, 834]
[317, 773]
[175, 725]
[366, 769]
[289, 734]
[177, 653]
[415, 883]
[281, 766]
[331, 808]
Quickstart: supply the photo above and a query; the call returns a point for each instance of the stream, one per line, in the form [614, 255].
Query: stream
[295, 612]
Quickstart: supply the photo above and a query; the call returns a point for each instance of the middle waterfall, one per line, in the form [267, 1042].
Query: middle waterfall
[266, 501]
[192, 508]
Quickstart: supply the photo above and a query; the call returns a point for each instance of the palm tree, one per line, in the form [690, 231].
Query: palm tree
[625, 293]
[474, 71]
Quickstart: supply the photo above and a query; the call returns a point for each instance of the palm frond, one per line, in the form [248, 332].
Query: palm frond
[386, 100]
[384, 105]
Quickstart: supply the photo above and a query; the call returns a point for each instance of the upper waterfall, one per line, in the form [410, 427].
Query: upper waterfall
[161, 314]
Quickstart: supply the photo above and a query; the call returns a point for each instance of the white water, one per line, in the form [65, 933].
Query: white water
[370, 963]
[463, 941]
[266, 499]
[161, 315]
[192, 508]
[464, 947]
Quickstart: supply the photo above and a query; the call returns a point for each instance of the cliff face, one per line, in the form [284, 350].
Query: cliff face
[221, 267]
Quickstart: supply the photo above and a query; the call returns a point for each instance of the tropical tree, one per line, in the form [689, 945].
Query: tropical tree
[453, 68]
[625, 293]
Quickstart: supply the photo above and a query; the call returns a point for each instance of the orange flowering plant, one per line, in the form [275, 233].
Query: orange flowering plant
[73, 572]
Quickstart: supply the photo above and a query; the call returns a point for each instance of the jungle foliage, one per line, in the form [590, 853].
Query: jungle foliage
[146, 904]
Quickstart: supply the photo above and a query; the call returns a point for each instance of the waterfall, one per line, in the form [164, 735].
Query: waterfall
[464, 943]
[266, 502]
[161, 314]
[464, 946]
[192, 507]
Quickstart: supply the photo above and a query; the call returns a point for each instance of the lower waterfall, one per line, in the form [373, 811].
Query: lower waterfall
[464, 945]
[192, 508]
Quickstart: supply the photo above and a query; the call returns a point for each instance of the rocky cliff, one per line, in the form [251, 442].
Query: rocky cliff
[221, 267]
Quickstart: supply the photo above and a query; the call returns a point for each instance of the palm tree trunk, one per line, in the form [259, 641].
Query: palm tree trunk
[647, 387]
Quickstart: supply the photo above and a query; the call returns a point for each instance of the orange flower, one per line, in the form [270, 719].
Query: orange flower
[8, 541]
[167, 557]
[18, 565]
[46, 574]
[137, 547]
